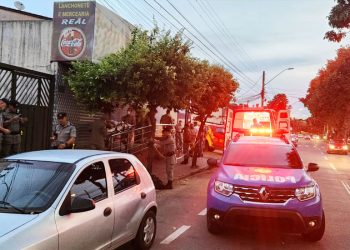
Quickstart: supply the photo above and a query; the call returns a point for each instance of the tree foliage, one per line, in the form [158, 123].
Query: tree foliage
[328, 96]
[216, 87]
[339, 20]
[157, 70]
[279, 102]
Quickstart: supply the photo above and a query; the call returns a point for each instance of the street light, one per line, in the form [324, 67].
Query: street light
[264, 84]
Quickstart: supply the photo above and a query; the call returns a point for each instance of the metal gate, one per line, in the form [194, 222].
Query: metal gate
[35, 92]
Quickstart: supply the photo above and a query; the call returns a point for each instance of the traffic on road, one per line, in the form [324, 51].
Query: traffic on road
[188, 209]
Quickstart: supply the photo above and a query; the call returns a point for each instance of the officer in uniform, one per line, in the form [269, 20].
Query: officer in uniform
[13, 122]
[168, 145]
[64, 133]
[3, 130]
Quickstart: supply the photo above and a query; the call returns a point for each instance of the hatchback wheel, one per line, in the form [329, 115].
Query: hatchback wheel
[147, 231]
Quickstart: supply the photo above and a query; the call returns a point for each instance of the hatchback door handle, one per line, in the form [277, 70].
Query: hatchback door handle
[143, 195]
[107, 211]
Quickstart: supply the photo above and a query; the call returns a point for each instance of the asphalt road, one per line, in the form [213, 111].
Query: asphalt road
[182, 211]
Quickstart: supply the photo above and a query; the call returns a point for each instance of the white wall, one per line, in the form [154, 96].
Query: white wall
[111, 33]
[27, 44]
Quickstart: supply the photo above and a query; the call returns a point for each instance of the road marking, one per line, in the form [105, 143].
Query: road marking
[326, 158]
[332, 166]
[175, 234]
[203, 212]
[346, 186]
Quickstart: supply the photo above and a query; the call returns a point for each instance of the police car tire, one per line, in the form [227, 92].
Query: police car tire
[318, 233]
[212, 226]
[139, 239]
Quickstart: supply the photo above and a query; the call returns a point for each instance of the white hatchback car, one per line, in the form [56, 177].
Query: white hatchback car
[75, 199]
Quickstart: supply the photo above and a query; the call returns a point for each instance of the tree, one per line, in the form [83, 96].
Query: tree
[328, 96]
[279, 102]
[339, 20]
[155, 69]
[216, 88]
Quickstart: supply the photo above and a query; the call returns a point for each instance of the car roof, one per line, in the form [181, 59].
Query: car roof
[64, 156]
[261, 140]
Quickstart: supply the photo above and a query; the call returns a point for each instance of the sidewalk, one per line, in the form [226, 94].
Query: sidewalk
[182, 171]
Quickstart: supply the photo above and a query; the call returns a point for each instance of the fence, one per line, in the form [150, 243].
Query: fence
[134, 141]
[34, 90]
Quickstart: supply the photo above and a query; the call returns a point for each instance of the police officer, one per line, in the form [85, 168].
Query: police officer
[167, 143]
[3, 130]
[13, 122]
[64, 133]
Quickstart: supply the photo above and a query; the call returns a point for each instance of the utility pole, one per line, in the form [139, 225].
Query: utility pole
[263, 89]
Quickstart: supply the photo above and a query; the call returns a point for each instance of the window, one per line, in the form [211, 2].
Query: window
[263, 155]
[91, 183]
[123, 174]
[31, 185]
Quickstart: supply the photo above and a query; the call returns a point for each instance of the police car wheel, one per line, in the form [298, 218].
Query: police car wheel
[212, 226]
[147, 231]
[318, 233]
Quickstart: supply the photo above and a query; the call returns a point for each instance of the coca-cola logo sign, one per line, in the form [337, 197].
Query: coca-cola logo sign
[71, 43]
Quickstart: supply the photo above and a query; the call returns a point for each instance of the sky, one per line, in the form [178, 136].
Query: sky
[247, 37]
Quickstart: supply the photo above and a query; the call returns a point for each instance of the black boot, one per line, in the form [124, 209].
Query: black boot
[169, 185]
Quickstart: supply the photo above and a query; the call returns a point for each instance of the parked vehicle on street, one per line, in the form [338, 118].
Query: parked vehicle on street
[214, 136]
[261, 182]
[75, 199]
[338, 146]
[316, 137]
[307, 137]
[255, 121]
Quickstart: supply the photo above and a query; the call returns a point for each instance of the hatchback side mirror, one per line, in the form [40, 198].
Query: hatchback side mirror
[82, 205]
[212, 163]
[78, 205]
[312, 167]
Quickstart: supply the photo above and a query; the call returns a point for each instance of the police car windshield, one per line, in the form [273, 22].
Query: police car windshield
[262, 155]
[31, 186]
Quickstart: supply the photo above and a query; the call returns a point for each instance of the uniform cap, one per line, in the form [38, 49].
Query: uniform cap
[13, 103]
[5, 100]
[60, 115]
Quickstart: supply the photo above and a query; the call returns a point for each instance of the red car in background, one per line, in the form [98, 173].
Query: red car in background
[337, 146]
[214, 136]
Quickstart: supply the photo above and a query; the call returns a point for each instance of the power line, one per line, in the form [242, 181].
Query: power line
[220, 27]
[234, 40]
[178, 29]
[233, 67]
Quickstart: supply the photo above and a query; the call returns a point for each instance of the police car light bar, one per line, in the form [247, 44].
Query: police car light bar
[260, 130]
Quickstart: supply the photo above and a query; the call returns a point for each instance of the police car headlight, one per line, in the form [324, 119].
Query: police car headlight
[345, 147]
[305, 193]
[331, 146]
[223, 188]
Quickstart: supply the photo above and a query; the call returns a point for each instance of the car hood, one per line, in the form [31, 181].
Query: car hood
[10, 222]
[258, 176]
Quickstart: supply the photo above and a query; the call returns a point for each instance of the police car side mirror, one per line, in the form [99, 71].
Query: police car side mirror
[312, 167]
[212, 163]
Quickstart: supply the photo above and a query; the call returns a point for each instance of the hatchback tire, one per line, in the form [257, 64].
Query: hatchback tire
[318, 233]
[147, 231]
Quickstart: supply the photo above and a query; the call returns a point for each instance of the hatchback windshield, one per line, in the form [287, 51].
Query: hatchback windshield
[262, 155]
[31, 186]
